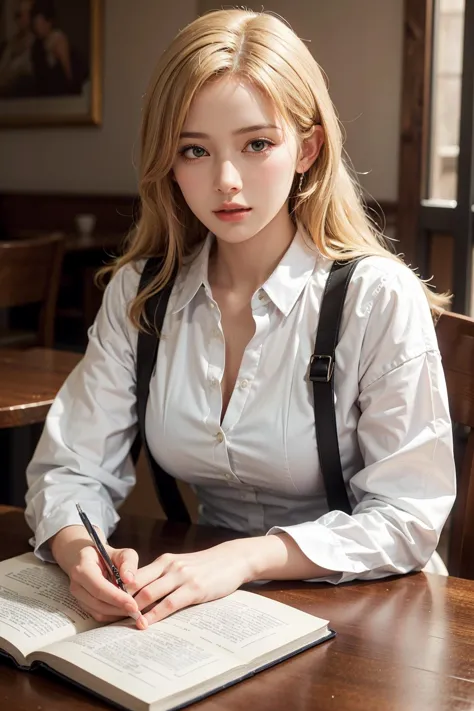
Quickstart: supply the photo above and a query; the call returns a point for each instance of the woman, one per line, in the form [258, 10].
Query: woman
[16, 73]
[243, 185]
[51, 54]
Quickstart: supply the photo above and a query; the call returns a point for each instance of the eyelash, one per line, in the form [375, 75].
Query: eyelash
[269, 147]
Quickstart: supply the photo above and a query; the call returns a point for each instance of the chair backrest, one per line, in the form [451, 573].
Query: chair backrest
[456, 342]
[30, 270]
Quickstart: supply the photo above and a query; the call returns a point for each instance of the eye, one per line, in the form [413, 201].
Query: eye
[197, 152]
[261, 145]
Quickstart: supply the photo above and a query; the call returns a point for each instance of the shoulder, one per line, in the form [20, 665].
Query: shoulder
[379, 278]
[387, 291]
[387, 312]
[376, 280]
[58, 40]
[127, 279]
[58, 36]
[122, 289]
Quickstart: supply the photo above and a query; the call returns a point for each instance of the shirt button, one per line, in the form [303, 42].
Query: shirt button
[216, 333]
[228, 476]
[261, 294]
[220, 437]
[213, 382]
[244, 384]
[212, 305]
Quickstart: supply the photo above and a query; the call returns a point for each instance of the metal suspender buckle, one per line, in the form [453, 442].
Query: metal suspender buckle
[321, 368]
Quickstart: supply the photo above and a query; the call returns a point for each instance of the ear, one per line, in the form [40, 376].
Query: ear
[310, 149]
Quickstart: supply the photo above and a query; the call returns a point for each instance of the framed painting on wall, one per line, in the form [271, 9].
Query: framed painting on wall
[50, 62]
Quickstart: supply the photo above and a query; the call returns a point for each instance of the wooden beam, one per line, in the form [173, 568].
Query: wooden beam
[414, 130]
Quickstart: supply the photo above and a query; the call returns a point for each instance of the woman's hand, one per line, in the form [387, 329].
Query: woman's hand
[78, 557]
[174, 581]
[179, 580]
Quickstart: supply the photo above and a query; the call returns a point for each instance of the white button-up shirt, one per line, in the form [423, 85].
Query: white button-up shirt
[258, 471]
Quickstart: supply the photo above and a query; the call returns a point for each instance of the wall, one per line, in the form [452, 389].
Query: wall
[359, 45]
[91, 159]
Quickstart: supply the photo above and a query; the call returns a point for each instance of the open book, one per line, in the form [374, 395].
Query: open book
[181, 659]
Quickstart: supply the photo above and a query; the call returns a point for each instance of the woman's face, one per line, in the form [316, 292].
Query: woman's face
[233, 149]
[41, 26]
[22, 14]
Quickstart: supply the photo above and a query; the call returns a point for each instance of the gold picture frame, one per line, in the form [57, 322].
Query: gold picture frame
[51, 62]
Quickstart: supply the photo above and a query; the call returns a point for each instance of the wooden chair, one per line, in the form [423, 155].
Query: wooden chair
[456, 342]
[30, 270]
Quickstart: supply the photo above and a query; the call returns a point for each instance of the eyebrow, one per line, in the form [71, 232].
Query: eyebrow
[238, 132]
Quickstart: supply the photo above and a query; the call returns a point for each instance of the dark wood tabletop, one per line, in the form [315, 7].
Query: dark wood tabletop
[29, 381]
[402, 644]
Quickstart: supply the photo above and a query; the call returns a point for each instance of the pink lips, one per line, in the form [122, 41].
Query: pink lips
[233, 215]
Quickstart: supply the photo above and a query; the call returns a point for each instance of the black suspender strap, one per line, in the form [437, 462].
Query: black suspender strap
[147, 351]
[321, 374]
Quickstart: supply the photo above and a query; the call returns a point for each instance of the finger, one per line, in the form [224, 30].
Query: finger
[127, 563]
[88, 575]
[157, 590]
[86, 599]
[98, 617]
[148, 573]
[177, 600]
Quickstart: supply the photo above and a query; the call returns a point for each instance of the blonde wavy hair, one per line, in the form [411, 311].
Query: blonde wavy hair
[260, 49]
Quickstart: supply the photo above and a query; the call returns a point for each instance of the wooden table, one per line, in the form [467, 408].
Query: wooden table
[29, 381]
[402, 644]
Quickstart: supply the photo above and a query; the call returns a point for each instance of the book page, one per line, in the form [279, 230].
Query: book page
[148, 664]
[246, 625]
[36, 607]
[186, 649]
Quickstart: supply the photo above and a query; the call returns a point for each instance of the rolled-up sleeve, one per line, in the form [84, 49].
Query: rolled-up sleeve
[83, 453]
[406, 488]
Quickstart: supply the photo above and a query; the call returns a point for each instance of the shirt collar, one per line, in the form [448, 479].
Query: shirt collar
[283, 286]
[192, 276]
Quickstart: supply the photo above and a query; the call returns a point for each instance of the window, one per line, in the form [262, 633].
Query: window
[446, 98]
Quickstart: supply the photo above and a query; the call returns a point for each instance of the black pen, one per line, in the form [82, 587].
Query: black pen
[104, 555]
[102, 552]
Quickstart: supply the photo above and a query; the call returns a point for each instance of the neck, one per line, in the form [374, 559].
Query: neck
[243, 267]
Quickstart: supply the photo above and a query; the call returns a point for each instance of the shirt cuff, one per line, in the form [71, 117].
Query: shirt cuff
[304, 535]
[105, 518]
[322, 545]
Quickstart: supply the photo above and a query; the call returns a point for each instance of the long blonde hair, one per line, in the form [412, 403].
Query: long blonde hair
[262, 50]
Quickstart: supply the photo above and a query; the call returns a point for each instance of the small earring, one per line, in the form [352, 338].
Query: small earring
[300, 184]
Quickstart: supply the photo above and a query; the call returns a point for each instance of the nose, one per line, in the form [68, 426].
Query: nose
[228, 178]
